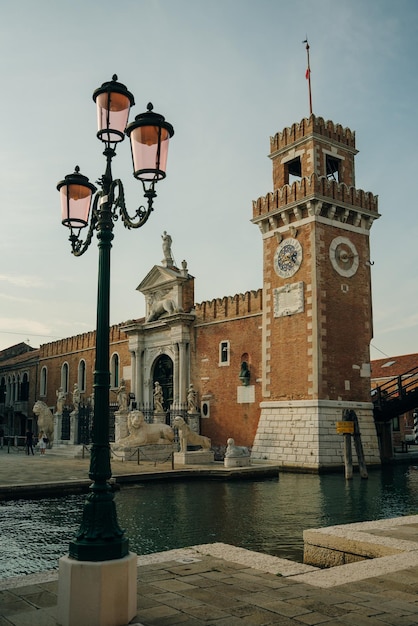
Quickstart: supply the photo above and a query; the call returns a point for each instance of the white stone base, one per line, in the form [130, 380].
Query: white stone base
[155, 453]
[97, 593]
[194, 457]
[303, 434]
[237, 461]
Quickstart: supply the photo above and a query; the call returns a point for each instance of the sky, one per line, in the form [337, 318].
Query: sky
[228, 74]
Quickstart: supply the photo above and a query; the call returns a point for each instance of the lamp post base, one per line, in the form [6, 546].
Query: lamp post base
[97, 593]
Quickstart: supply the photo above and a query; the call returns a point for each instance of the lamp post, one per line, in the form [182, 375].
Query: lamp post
[99, 537]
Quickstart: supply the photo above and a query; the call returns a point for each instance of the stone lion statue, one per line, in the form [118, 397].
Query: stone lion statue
[45, 419]
[233, 451]
[188, 436]
[142, 434]
[159, 307]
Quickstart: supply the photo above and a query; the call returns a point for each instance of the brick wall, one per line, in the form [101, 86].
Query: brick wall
[219, 384]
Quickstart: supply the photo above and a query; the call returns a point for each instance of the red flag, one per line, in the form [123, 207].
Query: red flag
[308, 71]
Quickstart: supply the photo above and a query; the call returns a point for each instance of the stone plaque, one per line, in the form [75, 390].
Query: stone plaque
[288, 300]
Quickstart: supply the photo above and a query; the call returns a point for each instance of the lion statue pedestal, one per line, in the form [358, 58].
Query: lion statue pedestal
[194, 457]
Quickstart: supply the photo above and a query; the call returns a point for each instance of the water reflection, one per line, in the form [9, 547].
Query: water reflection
[267, 516]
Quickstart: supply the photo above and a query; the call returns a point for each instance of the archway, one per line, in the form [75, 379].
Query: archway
[163, 373]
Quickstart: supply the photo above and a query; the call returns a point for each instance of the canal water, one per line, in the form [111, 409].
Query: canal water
[263, 515]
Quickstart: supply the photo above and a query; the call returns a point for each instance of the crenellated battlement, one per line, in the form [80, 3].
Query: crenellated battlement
[318, 187]
[82, 342]
[309, 126]
[230, 307]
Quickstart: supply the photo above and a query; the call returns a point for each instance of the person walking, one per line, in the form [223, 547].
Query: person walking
[29, 442]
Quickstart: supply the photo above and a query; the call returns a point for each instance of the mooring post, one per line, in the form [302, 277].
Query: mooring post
[348, 456]
[359, 447]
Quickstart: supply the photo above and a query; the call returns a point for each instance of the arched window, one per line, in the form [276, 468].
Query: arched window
[3, 390]
[64, 377]
[82, 375]
[114, 370]
[24, 388]
[42, 387]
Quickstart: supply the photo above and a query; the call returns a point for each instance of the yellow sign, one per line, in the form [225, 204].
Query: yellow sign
[345, 428]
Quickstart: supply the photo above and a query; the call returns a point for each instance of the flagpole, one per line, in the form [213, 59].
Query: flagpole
[308, 76]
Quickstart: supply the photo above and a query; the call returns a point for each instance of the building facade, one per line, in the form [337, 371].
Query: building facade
[273, 368]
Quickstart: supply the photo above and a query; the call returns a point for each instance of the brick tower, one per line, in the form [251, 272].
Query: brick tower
[317, 313]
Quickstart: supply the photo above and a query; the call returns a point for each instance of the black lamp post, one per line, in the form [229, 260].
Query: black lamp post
[100, 538]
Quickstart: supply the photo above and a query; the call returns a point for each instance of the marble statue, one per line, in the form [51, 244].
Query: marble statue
[158, 305]
[76, 397]
[122, 397]
[61, 396]
[167, 241]
[188, 436]
[142, 434]
[191, 399]
[233, 451]
[45, 419]
[158, 398]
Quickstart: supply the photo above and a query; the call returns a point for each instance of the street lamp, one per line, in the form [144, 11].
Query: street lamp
[99, 537]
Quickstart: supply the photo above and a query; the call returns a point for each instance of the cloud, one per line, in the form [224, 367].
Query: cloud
[23, 326]
[22, 280]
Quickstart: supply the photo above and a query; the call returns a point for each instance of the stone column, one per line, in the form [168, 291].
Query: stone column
[182, 372]
[121, 425]
[73, 427]
[57, 427]
[139, 382]
[134, 384]
[176, 383]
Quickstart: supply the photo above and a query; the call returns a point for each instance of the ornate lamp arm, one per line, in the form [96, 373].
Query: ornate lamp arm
[78, 247]
[142, 213]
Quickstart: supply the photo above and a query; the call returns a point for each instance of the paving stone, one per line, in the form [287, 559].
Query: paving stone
[156, 613]
[356, 619]
[41, 599]
[199, 580]
[312, 619]
[206, 612]
[171, 584]
[176, 600]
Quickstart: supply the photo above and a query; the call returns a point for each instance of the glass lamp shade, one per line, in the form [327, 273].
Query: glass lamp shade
[76, 192]
[149, 135]
[113, 102]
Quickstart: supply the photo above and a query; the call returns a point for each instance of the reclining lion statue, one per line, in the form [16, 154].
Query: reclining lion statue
[141, 433]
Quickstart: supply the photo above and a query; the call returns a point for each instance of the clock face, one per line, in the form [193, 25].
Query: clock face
[288, 258]
[344, 256]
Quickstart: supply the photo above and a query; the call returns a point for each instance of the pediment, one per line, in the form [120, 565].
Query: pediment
[160, 277]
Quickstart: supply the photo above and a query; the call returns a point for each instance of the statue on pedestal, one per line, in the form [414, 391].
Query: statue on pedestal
[188, 437]
[158, 398]
[76, 397]
[45, 419]
[122, 397]
[167, 241]
[192, 399]
[233, 451]
[61, 396]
